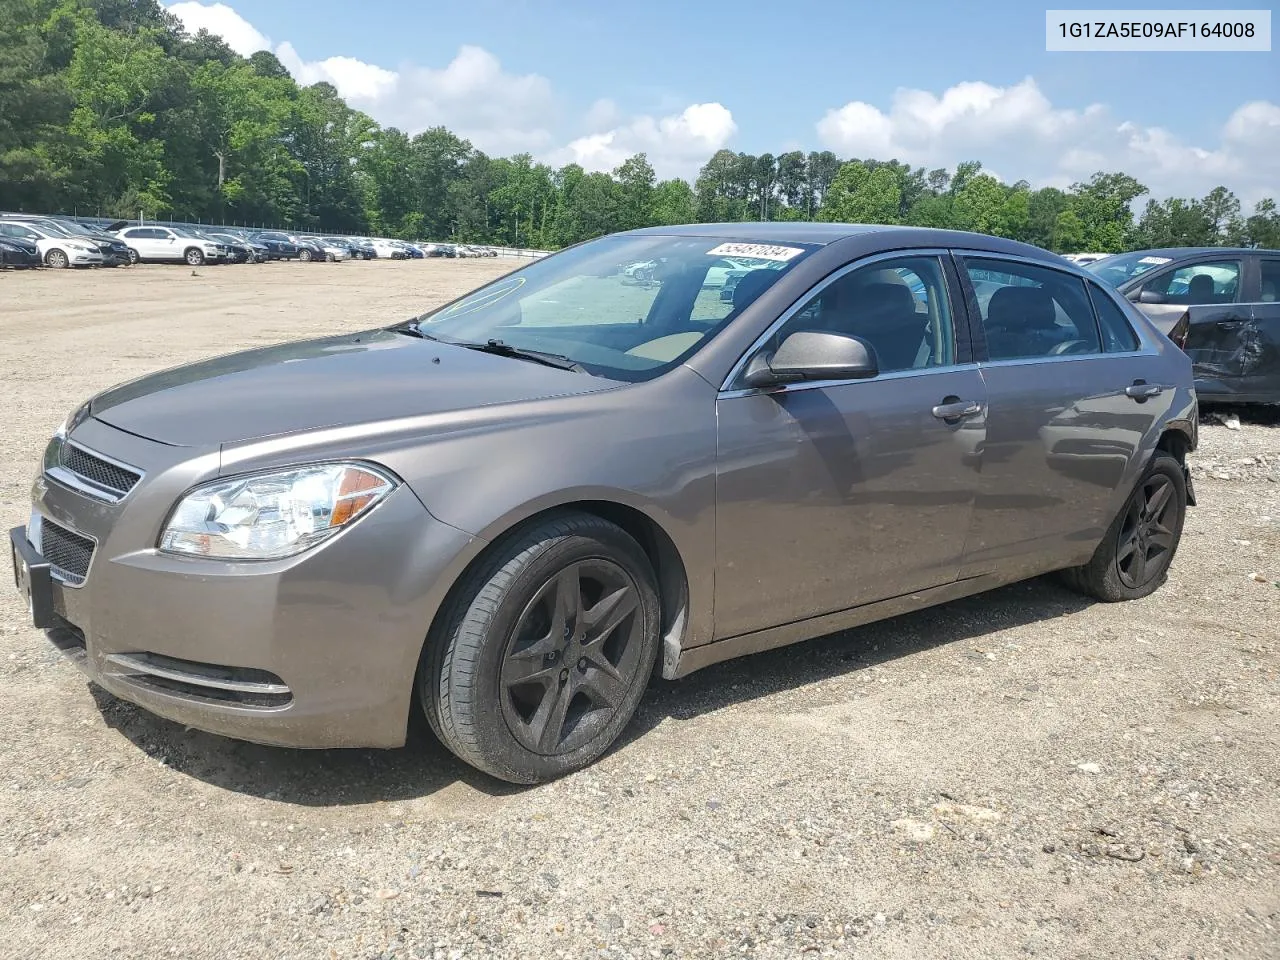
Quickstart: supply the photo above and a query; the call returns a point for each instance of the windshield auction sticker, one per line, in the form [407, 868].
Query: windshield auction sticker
[1158, 30]
[760, 251]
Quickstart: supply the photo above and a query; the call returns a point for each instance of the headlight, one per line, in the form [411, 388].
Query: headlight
[267, 516]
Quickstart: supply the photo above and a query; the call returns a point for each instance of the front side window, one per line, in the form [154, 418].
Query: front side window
[1195, 285]
[623, 307]
[900, 307]
[1032, 311]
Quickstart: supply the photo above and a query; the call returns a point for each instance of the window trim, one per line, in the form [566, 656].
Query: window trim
[959, 345]
[1146, 345]
[1170, 269]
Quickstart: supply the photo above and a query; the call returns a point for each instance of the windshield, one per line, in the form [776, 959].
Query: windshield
[624, 307]
[1124, 266]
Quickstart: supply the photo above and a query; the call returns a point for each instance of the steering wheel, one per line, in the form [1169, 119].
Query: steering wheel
[1068, 347]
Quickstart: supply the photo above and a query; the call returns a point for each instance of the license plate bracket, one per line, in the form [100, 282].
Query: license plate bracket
[32, 578]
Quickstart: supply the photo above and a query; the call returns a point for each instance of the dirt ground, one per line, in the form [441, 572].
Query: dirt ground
[1018, 774]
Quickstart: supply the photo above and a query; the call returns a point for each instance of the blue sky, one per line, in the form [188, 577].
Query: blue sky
[933, 83]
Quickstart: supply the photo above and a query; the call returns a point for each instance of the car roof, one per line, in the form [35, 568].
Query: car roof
[892, 236]
[1178, 253]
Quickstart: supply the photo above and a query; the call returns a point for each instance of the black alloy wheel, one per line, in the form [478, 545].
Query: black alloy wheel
[1147, 532]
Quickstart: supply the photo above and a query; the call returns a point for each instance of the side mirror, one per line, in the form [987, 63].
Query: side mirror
[813, 355]
[1150, 296]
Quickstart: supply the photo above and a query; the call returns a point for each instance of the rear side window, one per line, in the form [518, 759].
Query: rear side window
[1117, 334]
[1030, 311]
[1270, 280]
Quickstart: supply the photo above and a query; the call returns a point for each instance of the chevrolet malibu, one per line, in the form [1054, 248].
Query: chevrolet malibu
[511, 511]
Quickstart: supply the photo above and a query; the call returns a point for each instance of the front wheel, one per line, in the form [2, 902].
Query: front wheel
[194, 257]
[133, 257]
[305, 256]
[57, 259]
[543, 653]
[1134, 557]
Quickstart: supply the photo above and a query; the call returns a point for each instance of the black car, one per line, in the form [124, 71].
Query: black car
[311, 250]
[1220, 305]
[254, 252]
[18, 254]
[280, 246]
[115, 252]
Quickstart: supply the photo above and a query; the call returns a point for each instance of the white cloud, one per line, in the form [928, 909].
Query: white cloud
[1018, 129]
[219, 19]
[354, 79]
[676, 145]
[472, 95]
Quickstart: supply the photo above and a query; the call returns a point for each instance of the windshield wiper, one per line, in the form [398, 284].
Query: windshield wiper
[411, 329]
[503, 349]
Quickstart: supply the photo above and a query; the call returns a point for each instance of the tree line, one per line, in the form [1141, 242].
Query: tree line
[109, 108]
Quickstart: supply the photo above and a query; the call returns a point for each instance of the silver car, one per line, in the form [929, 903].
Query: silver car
[523, 504]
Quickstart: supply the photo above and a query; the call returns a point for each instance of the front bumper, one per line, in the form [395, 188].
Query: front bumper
[318, 650]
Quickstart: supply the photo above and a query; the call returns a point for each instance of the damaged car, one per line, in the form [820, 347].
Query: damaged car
[1220, 305]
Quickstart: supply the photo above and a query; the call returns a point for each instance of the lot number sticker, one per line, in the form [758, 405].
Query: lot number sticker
[760, 251]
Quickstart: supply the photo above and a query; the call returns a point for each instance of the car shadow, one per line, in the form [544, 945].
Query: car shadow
[423, 766]
[853, 650]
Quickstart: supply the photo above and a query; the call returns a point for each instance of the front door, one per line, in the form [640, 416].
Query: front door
[835, 494]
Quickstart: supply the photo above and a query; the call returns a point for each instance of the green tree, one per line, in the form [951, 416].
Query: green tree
[861, 195]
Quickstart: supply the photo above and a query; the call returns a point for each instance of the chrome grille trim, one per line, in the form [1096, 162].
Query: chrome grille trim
[92, 473]
[225, 686]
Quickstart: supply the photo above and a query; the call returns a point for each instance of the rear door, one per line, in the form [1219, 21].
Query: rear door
[1070, 400]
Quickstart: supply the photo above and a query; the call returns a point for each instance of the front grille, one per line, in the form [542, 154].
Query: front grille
[67, 551]
[96, 470]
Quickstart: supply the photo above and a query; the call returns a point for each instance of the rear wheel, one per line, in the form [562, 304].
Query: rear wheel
[194, 256]
[543, 653]
[1134, 557]
[57, 259]
[329, 258]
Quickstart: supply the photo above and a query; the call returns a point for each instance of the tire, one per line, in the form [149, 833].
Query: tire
[194, 257]
[1115, 573]
[329, 258]
[305, 256]
[57, 259]
[133, 257]
[514, 679]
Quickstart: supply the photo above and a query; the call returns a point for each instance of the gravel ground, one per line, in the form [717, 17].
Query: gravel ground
[1023, 773]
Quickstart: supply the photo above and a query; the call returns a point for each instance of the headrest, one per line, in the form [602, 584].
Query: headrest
[1201, 286]
[1021, 307]
[752, 285]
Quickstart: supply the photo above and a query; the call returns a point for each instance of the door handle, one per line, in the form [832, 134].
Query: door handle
[1143, 391]
[957, 409]
[1228, 324]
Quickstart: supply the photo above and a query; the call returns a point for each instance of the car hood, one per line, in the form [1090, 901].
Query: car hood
[352, 379]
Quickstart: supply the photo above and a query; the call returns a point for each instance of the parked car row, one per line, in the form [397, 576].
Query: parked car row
[33, 240]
